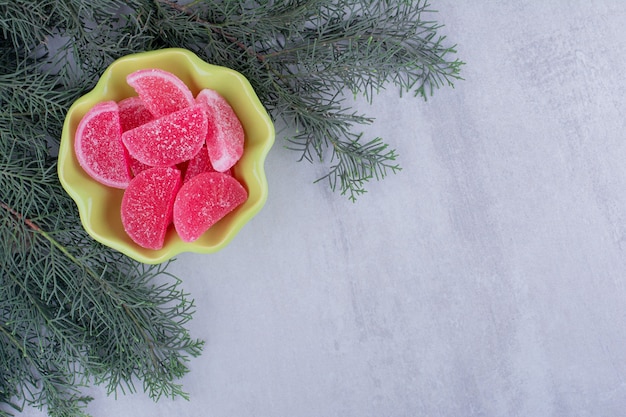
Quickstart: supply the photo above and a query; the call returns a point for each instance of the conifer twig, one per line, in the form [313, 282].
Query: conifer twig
[73, 312]
[303, 56]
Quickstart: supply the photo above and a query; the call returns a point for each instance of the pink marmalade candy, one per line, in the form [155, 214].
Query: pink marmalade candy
[161, 91]
[203, 201]
[198, 164]
[168, 140]
[98, 146]
[136, 167]
[225, 137]
[133, 113]
[147, 206]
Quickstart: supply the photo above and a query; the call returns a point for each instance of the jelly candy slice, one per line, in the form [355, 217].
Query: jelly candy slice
[161, 91]
[198, 164]
[98, 146]
[133, 113]
[136, 167]
[147, 206]
[203, 201]
[225, 136]
[168, 140]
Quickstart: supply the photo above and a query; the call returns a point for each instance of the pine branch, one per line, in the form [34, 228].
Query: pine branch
[73, 312]
[313, 51]
[100, 310]
[308, 49]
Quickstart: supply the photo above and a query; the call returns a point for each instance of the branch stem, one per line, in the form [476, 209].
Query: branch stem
[149, 341]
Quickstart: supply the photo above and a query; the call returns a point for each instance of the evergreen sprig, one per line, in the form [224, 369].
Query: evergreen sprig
[304, 56]
[73, 312]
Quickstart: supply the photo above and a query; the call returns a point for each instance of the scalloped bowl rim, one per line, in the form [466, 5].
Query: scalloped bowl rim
[104, 225]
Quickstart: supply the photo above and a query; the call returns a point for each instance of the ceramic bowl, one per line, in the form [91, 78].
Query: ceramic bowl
[99, 205]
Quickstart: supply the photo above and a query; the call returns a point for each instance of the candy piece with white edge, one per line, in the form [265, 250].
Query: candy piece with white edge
[161, 91]
[133, 113]
[168, 140]
[147, 206]
[225, 136]
[198, 164]
[98, 146]
[203, 201]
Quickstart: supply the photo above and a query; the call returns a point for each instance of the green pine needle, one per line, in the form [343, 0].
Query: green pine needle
[75, 313]
[303, 56]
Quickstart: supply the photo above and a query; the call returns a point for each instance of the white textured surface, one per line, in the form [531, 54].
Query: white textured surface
[488, 278]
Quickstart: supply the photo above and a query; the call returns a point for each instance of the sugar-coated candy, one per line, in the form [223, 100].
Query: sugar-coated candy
[98, 146]
[198, 164]
[133, 113]
[168, 140]
[161, 91]
[225, 135]
[136, 167]
[173, 155]
[203, 201]
[147, 205]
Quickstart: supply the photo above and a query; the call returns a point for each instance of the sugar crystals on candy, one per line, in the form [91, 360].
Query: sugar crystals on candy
[147, 206]
[133, 113]
[168, 140]
[198, 164]
[156, 136]
[203, 201]
[98, 146]
[161, 91]
[225, 136]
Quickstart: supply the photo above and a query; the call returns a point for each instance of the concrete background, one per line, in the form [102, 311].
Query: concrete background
[488, 278]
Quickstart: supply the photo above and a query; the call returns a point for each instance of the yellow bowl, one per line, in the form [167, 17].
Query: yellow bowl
[99, 205]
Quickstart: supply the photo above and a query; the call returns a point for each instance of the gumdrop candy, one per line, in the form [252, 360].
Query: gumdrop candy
[98, 146]
[203, 201]
[168, 140]
[161, 91]
[147, 206]
[198, 164]
[133, 113]
[137, 167]
[225, 135]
